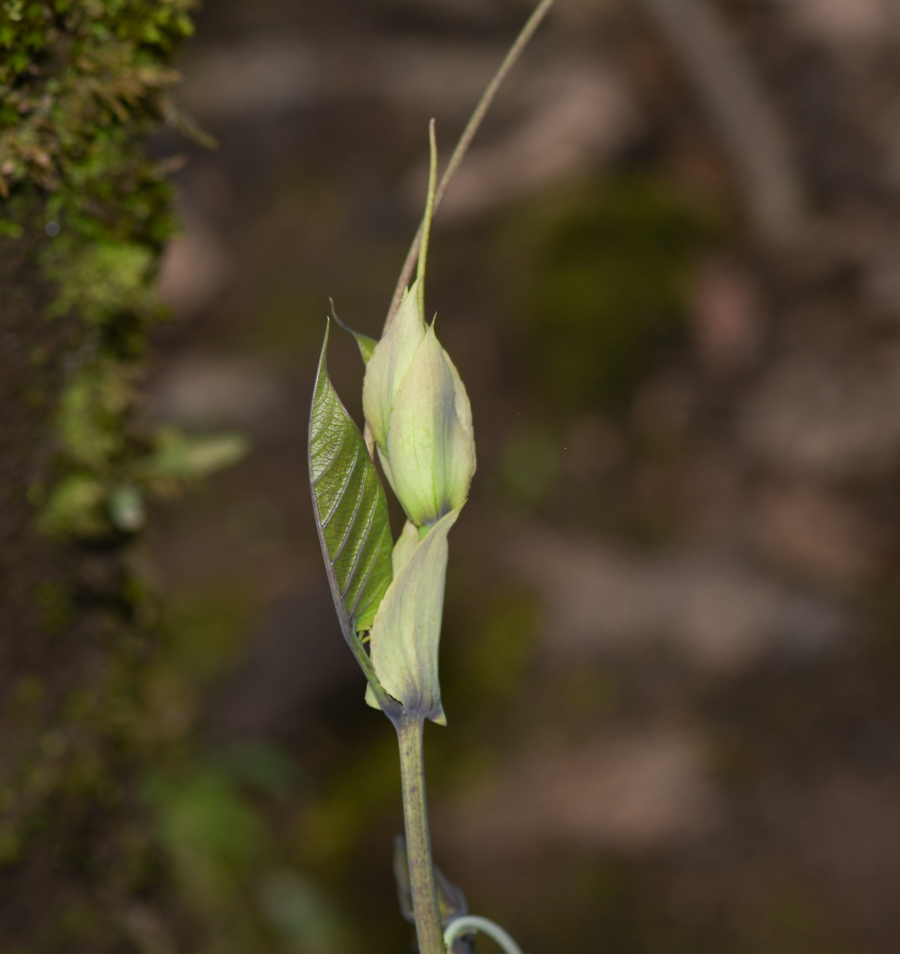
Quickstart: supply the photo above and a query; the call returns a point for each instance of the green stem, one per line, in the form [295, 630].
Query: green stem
[515, 51]
[429, 212]
[410, 730]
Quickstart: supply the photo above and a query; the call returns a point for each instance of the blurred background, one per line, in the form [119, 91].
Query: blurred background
[669, 273]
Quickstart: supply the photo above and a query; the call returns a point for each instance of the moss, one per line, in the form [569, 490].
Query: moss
[81, 87]
[79, 82]
[84, 214]
[101, 280]
[90, 410]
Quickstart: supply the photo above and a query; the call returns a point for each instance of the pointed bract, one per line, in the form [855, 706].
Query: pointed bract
[403, 548]
[365, 344]
[407, 628]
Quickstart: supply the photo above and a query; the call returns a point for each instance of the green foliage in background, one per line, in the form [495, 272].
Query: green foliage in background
[213, 822]
[213, 811]
[612, 263]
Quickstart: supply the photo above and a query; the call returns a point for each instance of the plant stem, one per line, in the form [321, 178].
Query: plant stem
[410, 731]
[487, 97]
[429, 212]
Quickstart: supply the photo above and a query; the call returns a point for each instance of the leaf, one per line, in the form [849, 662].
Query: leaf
[451, 901]
[350, 509]
[191, 456]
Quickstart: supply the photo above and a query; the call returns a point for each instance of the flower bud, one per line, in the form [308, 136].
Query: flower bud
[430, 444]
[418, 412]
[389, 363]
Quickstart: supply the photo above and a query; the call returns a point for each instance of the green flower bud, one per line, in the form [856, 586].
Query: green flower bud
[419, 415]
[430, 444]
[389, 363]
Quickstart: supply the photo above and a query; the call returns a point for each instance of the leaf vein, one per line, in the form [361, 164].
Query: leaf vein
[365, 583]
[339, 495]
[351, 526]
[365, 539]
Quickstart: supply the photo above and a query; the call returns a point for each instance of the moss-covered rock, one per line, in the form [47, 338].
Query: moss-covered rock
[84, 213]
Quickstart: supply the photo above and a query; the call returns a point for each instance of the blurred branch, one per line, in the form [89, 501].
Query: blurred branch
[741, 112]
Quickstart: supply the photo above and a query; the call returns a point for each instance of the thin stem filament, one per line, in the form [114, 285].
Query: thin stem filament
[462, 146]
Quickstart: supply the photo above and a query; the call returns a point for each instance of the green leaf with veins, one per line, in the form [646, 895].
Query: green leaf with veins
[350, 510]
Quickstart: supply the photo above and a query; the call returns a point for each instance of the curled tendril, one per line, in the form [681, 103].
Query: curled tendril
[471, 922]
